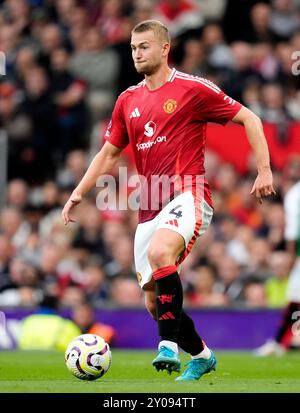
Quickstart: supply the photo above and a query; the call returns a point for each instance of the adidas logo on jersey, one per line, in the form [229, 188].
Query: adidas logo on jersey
[135, 114]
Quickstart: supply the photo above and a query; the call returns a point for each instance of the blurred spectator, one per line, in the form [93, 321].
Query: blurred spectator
[143, 10]
[22, 288]
[122, 259]
[112, 231]
[216, 253]
[219, 54]
[128, 76]
[13, 226]
[260, 16]
[25, 61]
[40, 17]
[283, 52]
[110, 22]
[194, 58]
[98, 66]
[283, 338]
[245, 209]
[203, 294]
[255, 294]
[50, 196]
[21, 297]
[291, 173]
[265, 63]
[227, 226]
[273, 229]
[251, 96]
[46, 330]
[284, 22]
[64, 10]
[226, 178]
[38, 105]
[225, 182]
[276, 285]
[75, 167]
[17, 194]
[258, 264]
[84, 317]
[95, 283]
[89, 236]
[242, 71]
[9, 41]
[125, 292]
[68, 94]
[19, 16]
[274, 110]
[50, 257]
[72, 296]
[248, 27]
[51, 39]
[180, 16]
[239, 247]
[18, 126]
[6, 254]
[212, 10]
[228, 280]
[79, 17]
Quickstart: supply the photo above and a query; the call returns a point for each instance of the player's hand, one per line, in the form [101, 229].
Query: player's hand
[74, 200]
[263, 185]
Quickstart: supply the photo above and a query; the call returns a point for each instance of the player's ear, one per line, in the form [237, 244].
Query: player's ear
[165, 49]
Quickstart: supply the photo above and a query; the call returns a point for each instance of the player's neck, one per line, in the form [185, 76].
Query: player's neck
[158, 79]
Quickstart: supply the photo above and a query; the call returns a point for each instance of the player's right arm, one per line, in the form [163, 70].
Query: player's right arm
[102, 164]
[116, 140]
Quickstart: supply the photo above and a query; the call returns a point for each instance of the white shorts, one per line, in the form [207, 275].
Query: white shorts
[185, 214]
[293, 288]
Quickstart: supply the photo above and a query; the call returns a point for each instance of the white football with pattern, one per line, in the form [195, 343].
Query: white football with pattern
[88, 357]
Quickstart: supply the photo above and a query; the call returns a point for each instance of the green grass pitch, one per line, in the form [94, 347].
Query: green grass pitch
[132, 372]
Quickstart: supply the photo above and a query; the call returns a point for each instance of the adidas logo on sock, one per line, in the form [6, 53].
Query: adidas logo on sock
[167, 316]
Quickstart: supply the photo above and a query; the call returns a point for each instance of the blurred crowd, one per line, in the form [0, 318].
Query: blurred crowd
[66, 62]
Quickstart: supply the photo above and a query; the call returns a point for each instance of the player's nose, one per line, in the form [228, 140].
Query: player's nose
[137, 55]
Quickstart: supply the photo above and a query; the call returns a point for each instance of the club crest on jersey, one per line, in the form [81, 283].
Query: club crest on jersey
[170, 106]
[139, 277]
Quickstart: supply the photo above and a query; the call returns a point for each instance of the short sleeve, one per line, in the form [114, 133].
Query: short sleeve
[116, 132]
[214, 105]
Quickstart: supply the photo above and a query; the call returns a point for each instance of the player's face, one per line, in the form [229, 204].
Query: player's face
[147, 52]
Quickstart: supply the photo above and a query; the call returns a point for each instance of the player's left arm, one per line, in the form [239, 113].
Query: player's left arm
[263, 185]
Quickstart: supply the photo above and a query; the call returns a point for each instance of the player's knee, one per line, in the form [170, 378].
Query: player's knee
[159, 256]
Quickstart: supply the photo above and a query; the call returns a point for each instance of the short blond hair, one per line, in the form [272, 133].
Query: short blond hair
[159, 29]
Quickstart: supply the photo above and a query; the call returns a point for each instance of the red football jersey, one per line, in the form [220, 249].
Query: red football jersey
[166, 128]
